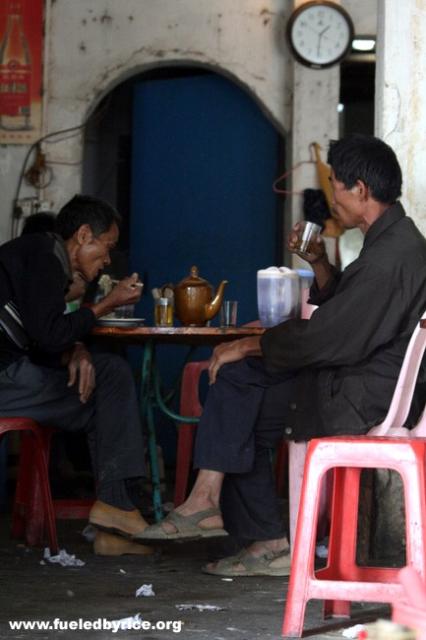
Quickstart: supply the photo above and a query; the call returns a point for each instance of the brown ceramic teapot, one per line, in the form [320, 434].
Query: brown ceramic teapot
[195, 301]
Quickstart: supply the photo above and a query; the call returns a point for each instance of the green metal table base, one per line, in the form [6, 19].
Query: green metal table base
[151, 398]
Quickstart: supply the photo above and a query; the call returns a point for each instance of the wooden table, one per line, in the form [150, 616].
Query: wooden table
[151, 396]
[177, 335]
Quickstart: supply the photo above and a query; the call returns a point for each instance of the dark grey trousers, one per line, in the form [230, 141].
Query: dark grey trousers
[110, 417]
[241, 425]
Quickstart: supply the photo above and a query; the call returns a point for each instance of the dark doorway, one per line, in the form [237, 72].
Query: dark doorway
[357, 81]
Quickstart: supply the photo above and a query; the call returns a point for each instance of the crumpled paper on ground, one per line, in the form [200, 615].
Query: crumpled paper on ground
[352, 632]
[199, 607]
[145, 590]
[63, 558]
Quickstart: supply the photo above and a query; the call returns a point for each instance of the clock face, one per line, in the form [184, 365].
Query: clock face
[320, 34]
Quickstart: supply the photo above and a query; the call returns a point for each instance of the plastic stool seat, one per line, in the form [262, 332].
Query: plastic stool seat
[342, 580]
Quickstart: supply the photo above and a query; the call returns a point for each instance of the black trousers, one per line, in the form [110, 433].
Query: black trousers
[110, 417]
[242, 422]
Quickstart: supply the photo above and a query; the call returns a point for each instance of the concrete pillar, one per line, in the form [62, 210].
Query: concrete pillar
[314, 119]
[400, 105]
[400, 120]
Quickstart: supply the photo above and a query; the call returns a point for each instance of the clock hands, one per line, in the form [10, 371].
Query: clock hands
[320, 35]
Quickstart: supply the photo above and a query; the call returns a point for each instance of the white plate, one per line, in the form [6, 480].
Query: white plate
[120, 322]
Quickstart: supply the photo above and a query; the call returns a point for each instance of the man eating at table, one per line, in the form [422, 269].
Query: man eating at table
[46, 372]
[334, 374]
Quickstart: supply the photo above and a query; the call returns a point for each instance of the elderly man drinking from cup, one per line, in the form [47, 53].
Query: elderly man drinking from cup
[334, 374]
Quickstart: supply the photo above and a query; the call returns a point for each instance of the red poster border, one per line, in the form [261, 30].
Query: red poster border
[32, 26]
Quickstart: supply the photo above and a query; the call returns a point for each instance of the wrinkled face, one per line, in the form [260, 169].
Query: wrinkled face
[93, 252]
[346, 203]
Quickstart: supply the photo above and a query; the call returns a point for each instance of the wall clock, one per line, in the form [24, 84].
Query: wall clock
[320, 33]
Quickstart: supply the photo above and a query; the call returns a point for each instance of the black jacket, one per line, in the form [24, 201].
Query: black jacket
[349, 354]
[34, 276]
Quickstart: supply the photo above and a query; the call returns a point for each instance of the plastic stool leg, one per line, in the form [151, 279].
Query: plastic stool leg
[343, 537]
[296, 465]
[302, 566]
[183, 461]
[24, 481]
[414, 480]
[30, 489]
[46, 495]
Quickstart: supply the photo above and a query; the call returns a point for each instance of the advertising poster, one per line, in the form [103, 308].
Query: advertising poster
[21, 48]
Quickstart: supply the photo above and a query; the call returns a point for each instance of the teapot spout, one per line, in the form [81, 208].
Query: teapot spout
[212, 308]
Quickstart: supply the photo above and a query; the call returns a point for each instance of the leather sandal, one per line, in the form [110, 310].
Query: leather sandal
[187, 528]
[271, 563]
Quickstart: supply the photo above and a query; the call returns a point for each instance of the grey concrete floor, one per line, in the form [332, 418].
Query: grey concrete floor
[250, 608]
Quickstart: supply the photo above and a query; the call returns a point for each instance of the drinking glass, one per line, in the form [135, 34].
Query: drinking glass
[228, 313]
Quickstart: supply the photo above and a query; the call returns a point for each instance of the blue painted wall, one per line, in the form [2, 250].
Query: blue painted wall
[204, 159]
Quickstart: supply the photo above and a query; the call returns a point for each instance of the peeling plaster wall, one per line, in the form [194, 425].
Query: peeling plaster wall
[109, 41]
[93, 45]
[401, 96]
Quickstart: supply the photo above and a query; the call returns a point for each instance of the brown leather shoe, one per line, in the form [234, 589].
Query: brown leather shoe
[107, 544]
[118, 521]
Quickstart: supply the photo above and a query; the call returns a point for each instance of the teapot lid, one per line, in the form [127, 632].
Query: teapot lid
[193, 280]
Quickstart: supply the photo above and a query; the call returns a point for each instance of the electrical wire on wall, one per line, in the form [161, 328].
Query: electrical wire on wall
[40, 173]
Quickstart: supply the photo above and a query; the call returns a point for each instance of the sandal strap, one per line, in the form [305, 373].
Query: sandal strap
[252, 562]
[249, 561]
[189, 524]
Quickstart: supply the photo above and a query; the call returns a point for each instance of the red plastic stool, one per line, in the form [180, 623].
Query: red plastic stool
[342, 580]
[32, 518]
[190, 406]
[28, 519]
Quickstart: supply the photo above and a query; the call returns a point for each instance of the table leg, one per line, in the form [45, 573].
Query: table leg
[150, 398]
[147, 412]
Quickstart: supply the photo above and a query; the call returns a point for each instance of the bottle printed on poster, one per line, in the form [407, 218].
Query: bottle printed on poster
[15, 73]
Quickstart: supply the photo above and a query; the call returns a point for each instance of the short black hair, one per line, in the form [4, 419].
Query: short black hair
[39, 222]
[369, 159]
[97, 213]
